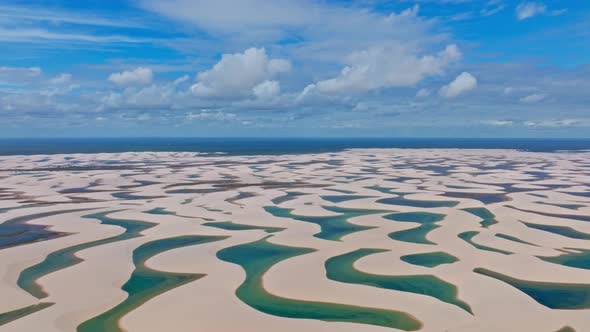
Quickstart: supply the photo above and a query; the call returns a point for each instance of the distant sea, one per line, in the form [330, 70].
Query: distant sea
[253, 146]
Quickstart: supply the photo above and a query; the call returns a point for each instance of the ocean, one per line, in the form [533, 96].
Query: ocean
[254, 146]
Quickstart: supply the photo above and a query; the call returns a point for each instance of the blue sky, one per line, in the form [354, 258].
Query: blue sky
[434, 68]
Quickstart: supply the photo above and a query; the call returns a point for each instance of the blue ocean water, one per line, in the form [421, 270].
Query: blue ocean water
[252, 146]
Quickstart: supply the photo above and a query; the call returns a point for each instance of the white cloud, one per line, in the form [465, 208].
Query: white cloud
[40, 14]
[512, 90]
[423, 93]
[493, 7]
[463, 83]
[361, 107]
[232, 15]
[276, 66]
[385, 67]
[238, 74]
[499, 123]
[144, 117]
[154, 96]
[263, 18]
[181, 80]
[559, 123]
[61, 79]
[530, 9]
[37, 35]
[509, 90]
[62, 90]
[35, 24]
[138, 76]
[211, 115]
[399, 50]
[534, 98]
[267, 89]
[15, 74]
[322, 30]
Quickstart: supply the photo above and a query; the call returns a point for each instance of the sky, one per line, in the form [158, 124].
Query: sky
[303, 68]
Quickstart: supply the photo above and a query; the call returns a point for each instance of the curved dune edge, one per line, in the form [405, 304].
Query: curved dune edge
[230, 226]
[579, 259]
[257, 257]
[468, 237]
[66, 257]
[566, 329]
[332, 227]
[19, 231]
[427, 222]
[487, 218]
[10, 316]
[341, 268]
[146, 283]
[552, 295]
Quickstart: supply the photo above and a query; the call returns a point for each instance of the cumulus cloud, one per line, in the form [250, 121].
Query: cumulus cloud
[532, 99]
[267, 89]
[463, 83]
[61, 79]
[324, 37]
[137, 76]
[321, 31]
[238, 74]
[154, 96]
[61, 89]
[385, 67]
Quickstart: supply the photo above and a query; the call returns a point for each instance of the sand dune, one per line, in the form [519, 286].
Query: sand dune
[515, 224]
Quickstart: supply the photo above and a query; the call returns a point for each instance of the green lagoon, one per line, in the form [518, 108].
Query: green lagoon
[426, 220]
[13, 315]
[332, 227]
[341, 268]
[580, 260]
[560, 230]
[230, 226]
[66, 257]
[343, 198]
[551, 295]
[468, 237]
[146, 283]
[258, 257]
[488, 218]
[430, 259]
[287, 197]
[402, 201]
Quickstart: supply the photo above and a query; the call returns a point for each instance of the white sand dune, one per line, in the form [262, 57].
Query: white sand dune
[196, 192]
